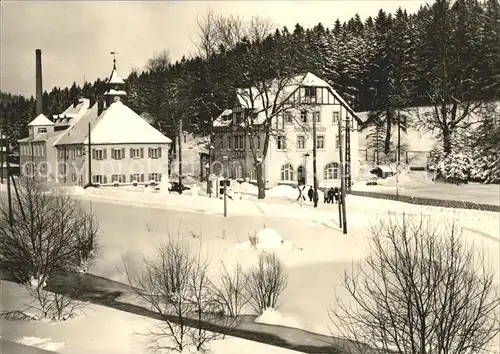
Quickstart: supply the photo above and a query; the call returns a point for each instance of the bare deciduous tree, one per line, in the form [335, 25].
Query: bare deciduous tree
[159, 61]
[266, 282]
[270, 106]
[216, 32]
[50, 234]
[205, 308]
[421, 290]
[175, 284]
[163, 283]
[232, 291]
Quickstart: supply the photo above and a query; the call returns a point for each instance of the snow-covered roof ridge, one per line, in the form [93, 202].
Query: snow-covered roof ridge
[259, 98]
[121, 125]
[115, 92]
[76, 125]
[115, 78]
[41, 119]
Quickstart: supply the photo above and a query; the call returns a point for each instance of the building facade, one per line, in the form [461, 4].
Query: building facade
[289, 158]
[106, 144]
[7, 155]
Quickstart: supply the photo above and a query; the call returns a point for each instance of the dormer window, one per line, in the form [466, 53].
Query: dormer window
[310, 93]
[42, 130]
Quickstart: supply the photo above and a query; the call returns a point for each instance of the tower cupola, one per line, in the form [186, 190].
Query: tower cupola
[115, 86]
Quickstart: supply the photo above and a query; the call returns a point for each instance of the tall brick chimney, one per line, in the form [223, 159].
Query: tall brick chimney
[38, 82]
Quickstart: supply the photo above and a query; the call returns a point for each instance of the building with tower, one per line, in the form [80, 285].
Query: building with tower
[106, 144]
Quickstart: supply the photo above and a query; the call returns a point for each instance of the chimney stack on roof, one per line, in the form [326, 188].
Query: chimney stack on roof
[38, 83]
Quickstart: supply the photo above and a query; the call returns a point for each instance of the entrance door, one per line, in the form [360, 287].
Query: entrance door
[301, 175]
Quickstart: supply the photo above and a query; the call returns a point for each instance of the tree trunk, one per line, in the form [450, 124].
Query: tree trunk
[447, 136]
[388, 131]
[261, 184]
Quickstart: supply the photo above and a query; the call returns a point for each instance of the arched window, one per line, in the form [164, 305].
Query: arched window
[253, 175]
[287, 172]
[331, 171]
[301, 174]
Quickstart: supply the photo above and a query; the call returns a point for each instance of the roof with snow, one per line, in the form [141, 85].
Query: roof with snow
[262, 99]
[383, 168]
[40, 120]
[115, 92]
[115, 78]
[44, 137]
[120, 125]
[78, 131]
[224, 119]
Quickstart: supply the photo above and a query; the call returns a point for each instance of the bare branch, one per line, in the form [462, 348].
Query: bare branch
[421, 290]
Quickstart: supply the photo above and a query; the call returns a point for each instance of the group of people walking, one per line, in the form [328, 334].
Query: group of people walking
[331, 196]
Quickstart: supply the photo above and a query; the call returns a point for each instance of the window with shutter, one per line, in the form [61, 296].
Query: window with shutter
[142, 153]
[132, 153]
[93, 154]
[123, 153]
[159, 152]
[104, 153]
[149, 152]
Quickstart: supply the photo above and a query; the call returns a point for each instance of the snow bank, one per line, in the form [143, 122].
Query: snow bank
[245, 187]
[404, 178]
[42, 343]
[283, 191]
[92, 333]
[274, 318]
[75, 190]
[268, 239]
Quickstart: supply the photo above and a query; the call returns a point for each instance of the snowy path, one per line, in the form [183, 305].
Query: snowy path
[473, 192]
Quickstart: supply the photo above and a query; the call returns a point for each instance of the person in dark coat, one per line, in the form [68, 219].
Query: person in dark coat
[336, 194]
[310, 194]
[331, 195]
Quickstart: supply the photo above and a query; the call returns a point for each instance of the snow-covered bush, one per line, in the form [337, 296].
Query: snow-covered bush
[487, 168]
[49, 234]
[454, 168]
[266, 282]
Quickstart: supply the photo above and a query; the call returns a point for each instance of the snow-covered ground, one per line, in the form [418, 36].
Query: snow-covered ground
[420, 184]
[308, 240]
[315, 254]
[100, 330]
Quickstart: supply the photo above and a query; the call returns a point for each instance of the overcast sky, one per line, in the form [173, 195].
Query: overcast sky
[76, 37]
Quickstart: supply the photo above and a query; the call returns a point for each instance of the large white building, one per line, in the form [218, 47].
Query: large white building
[289, 157]
[124, 148]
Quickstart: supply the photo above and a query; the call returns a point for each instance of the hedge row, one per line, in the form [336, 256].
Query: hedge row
[444, 203]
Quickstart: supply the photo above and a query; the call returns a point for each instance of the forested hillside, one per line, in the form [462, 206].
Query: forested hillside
[446, 55]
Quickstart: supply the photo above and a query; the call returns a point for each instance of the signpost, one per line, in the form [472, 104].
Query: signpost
[301, 197]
